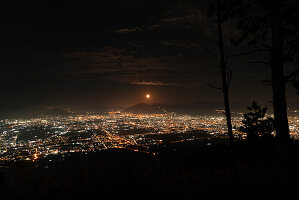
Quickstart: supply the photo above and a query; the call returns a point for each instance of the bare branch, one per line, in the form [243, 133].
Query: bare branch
[260, 62]
[229, 77]
[214, 87]
[216, 66]
[211, 40]
[291, 76]
[213, 55]
[267, 82]
[226, 61]
[266, 46]
[229, 72]
[248, 53]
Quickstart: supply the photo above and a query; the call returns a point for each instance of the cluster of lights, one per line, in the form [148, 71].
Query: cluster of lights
[31, 139]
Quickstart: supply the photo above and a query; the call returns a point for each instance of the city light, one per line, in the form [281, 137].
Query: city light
[39, 137]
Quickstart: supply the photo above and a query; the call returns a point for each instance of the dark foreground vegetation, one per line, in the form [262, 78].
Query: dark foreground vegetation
[178, 169]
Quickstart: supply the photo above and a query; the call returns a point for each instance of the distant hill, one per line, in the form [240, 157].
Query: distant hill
[196, 108]
[9, 111]
[96, 109]
[14, 111]
[146, 108]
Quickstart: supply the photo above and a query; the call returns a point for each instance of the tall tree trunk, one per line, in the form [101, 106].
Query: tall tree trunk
[225, 86]
[278, 80]
[223, 66]
[278, 87]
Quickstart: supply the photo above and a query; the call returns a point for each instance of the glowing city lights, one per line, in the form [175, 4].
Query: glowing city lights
[39, 137]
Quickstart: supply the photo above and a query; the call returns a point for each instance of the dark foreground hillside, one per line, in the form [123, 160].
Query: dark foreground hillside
[182, 169]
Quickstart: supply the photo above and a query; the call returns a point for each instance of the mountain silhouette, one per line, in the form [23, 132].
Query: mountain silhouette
[196, 108]
[15, 111]
[146, 108]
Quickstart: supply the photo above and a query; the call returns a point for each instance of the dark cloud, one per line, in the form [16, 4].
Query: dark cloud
[111, 64]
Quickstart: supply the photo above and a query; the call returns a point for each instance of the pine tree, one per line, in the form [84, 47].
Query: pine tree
[256, 125]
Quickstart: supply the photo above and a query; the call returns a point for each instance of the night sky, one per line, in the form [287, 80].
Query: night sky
[111, 53]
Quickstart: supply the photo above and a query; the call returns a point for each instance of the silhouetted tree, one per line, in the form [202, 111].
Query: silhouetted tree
[256, 124]
[226, 75]
[226, 72]
[270, 26]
